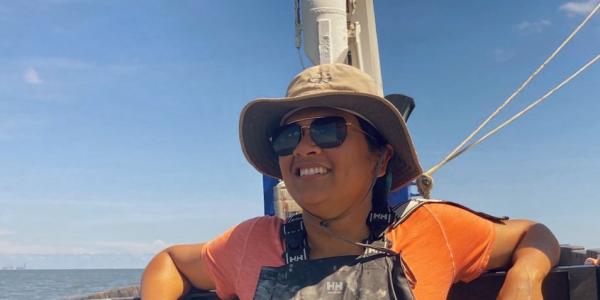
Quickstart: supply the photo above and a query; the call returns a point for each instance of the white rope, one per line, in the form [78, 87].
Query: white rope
[459, 149]
[525, 110]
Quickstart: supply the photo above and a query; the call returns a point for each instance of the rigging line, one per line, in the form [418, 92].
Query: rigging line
[297, 24]
[454, 152]
[525, 110]
[300, 58]
[298, 28]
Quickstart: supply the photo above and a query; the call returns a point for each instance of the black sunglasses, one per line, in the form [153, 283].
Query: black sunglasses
[327, 132]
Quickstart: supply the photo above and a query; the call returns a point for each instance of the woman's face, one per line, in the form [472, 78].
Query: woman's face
[343, 174]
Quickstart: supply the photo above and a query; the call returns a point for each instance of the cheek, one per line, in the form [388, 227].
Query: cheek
[284, 166]
[354, 157]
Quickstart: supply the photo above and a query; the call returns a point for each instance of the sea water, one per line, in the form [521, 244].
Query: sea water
[63, 284]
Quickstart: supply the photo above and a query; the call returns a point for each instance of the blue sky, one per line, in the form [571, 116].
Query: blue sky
[118, 119]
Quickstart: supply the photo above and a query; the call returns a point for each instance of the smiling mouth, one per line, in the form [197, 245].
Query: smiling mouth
[312, 171]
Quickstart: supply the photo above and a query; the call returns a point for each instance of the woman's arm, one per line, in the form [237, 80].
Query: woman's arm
[530, 251]
[172, 272]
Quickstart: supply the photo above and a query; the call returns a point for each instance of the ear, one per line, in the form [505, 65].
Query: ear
[384, 160]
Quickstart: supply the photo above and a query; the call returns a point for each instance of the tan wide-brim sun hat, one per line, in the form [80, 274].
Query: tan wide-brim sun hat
[336, 86]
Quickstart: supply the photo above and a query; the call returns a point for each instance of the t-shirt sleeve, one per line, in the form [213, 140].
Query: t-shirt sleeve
[223, 257]
[470, 239]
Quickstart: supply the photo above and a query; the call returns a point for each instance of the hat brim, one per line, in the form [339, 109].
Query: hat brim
[261, 116]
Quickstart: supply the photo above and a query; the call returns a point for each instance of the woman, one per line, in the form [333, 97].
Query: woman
[340, 147]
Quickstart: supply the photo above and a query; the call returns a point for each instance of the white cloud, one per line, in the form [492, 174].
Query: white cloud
[527, 28]
[579, 8]
[31, 76]
[5, 232]
[502, 55]
[11, 248]
[134, 248]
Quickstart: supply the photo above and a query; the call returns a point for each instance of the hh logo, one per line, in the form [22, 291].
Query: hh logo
[372, 251]
[380, 216]
[335, 287]
[320, 78]
[296, 258]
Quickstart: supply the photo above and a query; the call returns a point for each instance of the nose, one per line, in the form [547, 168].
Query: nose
[306, 146]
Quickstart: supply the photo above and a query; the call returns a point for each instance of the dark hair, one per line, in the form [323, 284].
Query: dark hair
[377, 143]
[375, 140]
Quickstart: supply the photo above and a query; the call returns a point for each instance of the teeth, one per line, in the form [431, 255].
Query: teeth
[313, 171]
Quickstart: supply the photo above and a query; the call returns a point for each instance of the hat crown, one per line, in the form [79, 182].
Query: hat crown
[332, 78]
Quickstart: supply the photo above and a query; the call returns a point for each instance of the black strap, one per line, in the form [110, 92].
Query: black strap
[381, 215]
[293, 234]
[406, 209]
[378, 221]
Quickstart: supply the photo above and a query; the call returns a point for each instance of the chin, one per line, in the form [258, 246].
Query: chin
[309, 200]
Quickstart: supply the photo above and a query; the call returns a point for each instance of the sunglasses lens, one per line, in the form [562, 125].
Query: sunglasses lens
[285, 139]
[328, 132]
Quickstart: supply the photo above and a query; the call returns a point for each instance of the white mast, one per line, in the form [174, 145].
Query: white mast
[341, 31]
[364, 49]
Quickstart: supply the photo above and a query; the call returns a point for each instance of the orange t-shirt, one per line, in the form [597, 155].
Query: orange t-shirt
[440, 243]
